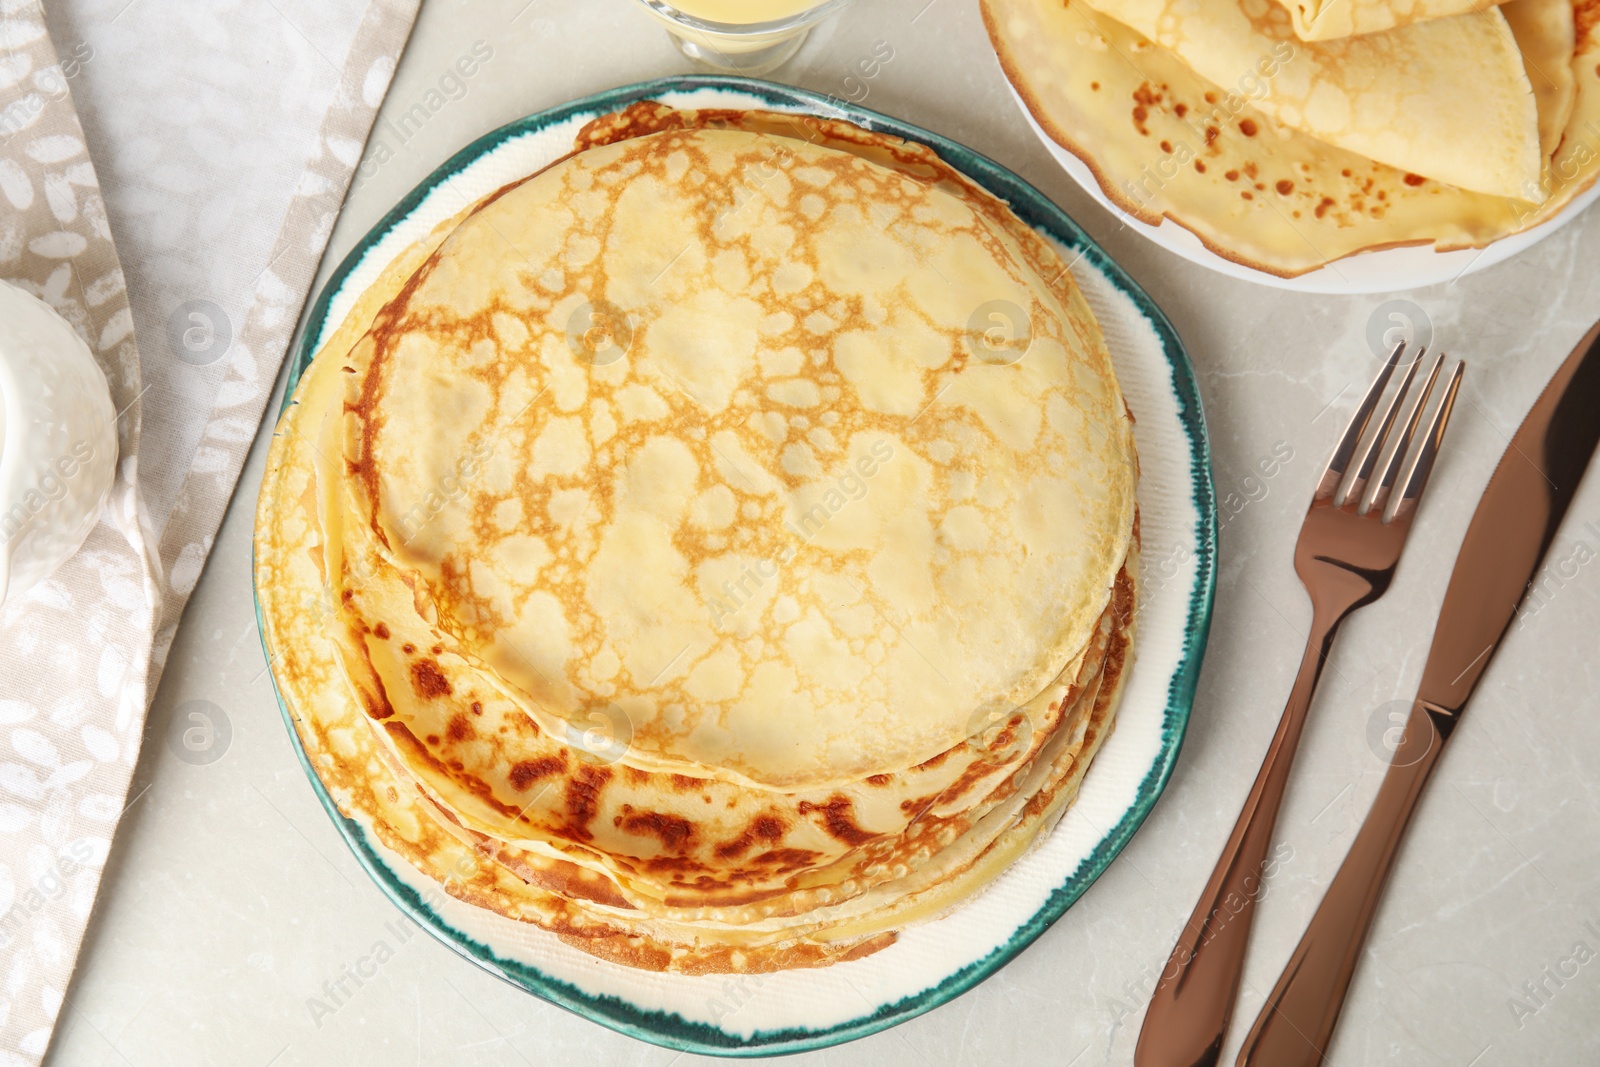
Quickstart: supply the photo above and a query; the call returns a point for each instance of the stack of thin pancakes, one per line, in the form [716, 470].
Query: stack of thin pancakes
[1288, 134]
[716, 548]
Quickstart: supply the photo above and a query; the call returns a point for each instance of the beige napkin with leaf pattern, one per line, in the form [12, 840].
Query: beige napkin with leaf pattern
[211, 142]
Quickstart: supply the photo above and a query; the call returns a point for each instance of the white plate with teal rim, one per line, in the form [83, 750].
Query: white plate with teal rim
[793, 1011]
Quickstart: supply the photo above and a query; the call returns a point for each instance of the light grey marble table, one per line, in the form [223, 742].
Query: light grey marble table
[230, 898]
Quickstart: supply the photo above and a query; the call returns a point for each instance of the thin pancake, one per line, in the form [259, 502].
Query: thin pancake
[668, 839]
[1546, 36]
[327, 648]
[1164, 143]
[1324, 20]
[371, 787]
[709, 543]
[665, 838]
[1447, 99]
[348, 756]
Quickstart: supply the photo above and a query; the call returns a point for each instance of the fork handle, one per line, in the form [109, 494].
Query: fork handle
[1297, 1021]
[1194, 998]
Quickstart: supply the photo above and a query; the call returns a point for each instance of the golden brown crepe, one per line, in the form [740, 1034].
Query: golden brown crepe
[464, 733]
[1546, 36]
[1447, 98]
[1165, 143]
[1324, 20]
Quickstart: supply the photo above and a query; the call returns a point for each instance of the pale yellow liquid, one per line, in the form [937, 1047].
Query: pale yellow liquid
[742, 12]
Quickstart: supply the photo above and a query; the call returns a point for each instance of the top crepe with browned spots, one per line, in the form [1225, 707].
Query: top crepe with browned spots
[385, 547]
[805, 526]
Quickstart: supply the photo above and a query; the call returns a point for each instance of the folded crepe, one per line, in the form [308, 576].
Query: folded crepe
[1546, 35]
[1324, 20]
[1448, 99]
[630, 633]
[1164, 142]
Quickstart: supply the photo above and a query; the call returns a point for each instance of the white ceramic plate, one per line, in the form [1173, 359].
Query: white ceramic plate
[1387, 271]
[931, 963]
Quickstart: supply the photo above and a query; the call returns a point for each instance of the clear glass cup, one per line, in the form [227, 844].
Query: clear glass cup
[741, 36]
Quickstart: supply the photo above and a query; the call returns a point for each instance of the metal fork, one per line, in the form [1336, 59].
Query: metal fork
[1349, 545]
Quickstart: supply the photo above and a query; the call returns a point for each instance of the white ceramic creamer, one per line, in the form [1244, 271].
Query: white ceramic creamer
[58, 441]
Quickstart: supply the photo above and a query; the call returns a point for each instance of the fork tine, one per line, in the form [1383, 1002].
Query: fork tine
[1379, 491]
[1333, 474]
[1416, 479]
[1368, 457]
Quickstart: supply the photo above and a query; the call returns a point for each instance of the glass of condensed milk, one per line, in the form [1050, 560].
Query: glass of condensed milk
[741, 36]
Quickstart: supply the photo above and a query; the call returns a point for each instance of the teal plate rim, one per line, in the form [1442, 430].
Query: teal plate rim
[668, 1029]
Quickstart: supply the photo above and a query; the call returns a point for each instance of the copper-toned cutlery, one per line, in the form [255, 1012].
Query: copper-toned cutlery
[1349, 546]
[1510, 532]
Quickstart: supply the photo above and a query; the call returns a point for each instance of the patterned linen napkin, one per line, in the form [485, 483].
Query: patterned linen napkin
[221, 138]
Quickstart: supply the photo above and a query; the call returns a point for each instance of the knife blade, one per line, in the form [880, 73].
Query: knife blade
[1512, 528]
[1514, 524]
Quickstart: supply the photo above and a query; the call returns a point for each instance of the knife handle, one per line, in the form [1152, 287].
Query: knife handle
[1296, 1023]
[1193, 1003]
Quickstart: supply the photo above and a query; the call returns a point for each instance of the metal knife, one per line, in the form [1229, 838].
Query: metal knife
[1510, 532]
